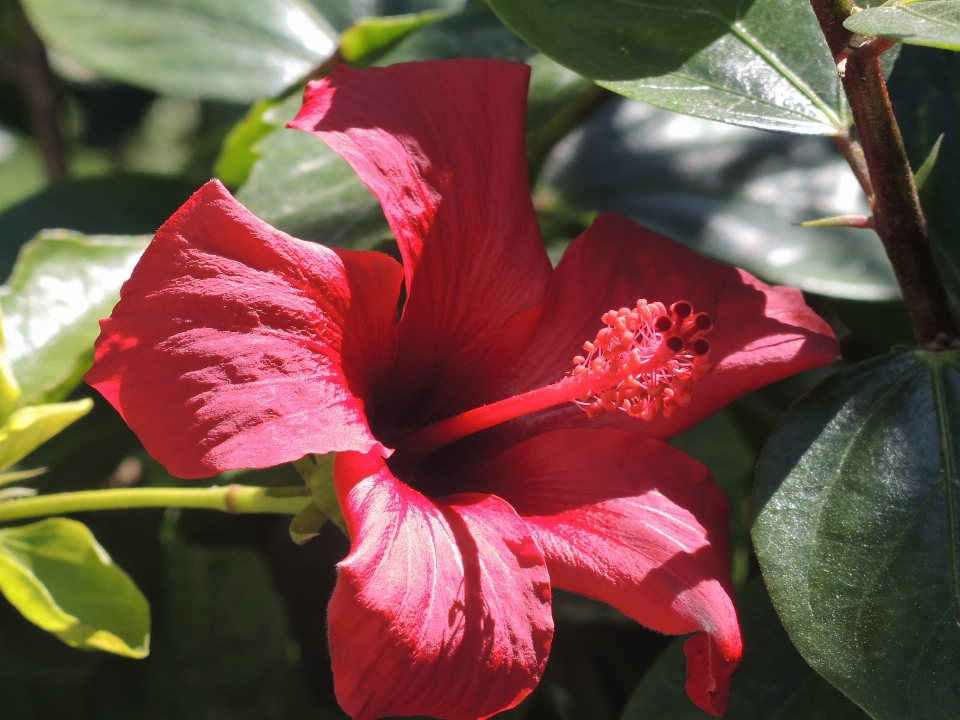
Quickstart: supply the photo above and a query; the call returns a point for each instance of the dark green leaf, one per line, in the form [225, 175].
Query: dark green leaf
[121, 204]
[772, 682]
[229, 653]
[727, 192]
[59, 577]
[925, 88]
[61, 286]
[760, 63]
[858, 500]
[241, 50]
[719, 443]
[935, 23]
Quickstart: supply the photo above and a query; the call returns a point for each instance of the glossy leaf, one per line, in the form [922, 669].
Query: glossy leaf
[762, 63]
[241, 50]
[857, 500]
[61, 286]
[934, 23]
[29, 427]
[730, 193]
[772, 681]
[58, 576]
[925, 89]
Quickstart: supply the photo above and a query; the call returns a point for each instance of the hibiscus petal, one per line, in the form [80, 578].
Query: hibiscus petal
[234, 345]
[442, 608]
[441, 144]
[635, 523]
[760, 334]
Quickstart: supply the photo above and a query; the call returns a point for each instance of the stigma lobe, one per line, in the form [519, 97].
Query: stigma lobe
[644, 360]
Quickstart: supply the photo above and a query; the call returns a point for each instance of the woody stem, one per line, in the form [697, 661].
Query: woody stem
[898, 217]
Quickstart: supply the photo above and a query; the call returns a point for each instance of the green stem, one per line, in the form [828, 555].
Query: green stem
[225, 498]
[898, 217]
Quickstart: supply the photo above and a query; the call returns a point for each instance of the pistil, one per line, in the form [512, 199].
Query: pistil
[642, 362]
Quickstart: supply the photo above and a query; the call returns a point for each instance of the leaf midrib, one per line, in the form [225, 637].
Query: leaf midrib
[776, 64]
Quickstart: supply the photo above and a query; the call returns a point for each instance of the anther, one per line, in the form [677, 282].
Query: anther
[644, 360]
[681, 308]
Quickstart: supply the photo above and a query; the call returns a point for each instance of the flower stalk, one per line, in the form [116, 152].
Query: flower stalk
[225, 498]
[898, 217]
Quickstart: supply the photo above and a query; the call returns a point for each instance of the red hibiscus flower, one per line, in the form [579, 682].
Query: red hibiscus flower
[468, 480]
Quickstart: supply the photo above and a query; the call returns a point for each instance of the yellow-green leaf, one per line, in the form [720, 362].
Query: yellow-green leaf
[61, 579]
[30, 427]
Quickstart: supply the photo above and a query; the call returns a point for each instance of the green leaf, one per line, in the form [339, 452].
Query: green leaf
[772, 681]
[925, 89]
[475, 32]
[761, 64]
[122, 204]
[9, 387]
[727, 192]
[371, 37]
[58, 576]
[923, 172]
[241, 50]
[858, 500]
[721, 445]
[229, 652]
[934, 23]
[239, 152]
[28, 428]
[61, 286]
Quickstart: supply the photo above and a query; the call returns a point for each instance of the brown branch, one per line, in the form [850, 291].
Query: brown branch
[30, 69]
[897, 213]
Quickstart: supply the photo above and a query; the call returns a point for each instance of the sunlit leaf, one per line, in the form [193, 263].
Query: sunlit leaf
[935, 23]
[371, 37]
[29, 427]
[58, 576]
[857, 500]
[728, 192]
[762, 63]
[241, 50]
[62, 285]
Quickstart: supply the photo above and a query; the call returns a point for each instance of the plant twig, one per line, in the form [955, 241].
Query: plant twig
[225, 498]
[30, 69]
[897, 213]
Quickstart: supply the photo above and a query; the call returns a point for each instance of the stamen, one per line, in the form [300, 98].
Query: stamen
[644, 360]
